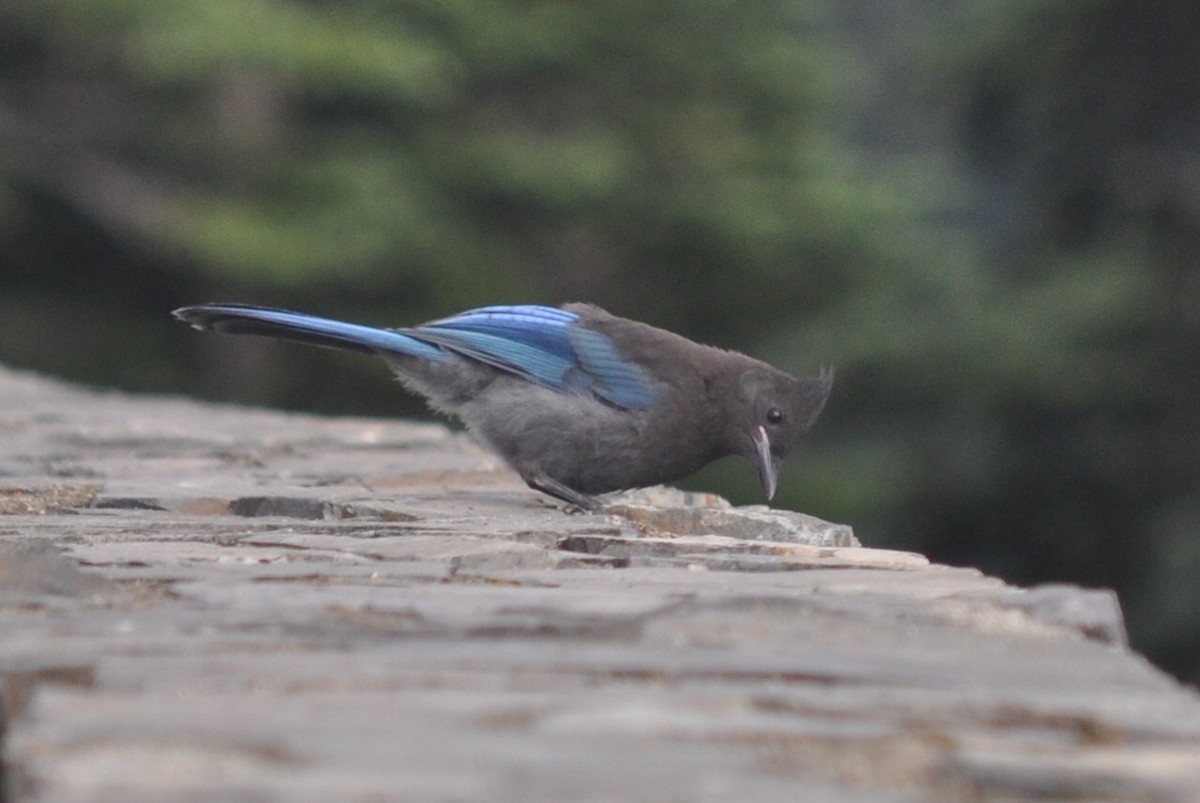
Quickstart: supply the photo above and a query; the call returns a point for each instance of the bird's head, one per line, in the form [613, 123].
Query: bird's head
[774, 411]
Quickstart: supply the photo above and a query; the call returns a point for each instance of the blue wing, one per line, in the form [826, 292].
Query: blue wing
[545, 345]
[608, 375]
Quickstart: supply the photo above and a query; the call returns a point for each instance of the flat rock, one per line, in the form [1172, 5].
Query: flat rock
[206, 602]
[750, 523]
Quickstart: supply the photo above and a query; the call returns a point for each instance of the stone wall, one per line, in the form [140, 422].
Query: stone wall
[203, 602]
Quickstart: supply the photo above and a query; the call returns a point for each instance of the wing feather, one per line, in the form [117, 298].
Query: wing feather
[545, 345]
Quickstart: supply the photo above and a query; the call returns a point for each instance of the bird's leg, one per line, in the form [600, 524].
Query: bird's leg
[539, 481]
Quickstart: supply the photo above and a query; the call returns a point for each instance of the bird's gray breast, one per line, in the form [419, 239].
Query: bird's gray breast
[582, 442]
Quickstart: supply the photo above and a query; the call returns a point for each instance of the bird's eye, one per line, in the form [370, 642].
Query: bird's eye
[774, 415]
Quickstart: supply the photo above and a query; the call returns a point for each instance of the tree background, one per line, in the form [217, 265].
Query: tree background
[985, 214]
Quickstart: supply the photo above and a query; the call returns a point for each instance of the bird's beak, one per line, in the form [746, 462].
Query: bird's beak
[768, 464]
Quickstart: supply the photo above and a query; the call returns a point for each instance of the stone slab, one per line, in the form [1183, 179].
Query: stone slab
[206, 602]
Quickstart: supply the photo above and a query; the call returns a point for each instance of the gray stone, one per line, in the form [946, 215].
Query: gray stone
[205, 602]
[705, 514]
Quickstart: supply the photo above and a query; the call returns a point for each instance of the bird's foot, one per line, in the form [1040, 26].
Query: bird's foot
[576, 502]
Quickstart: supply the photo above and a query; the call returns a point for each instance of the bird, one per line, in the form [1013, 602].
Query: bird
[578, 401]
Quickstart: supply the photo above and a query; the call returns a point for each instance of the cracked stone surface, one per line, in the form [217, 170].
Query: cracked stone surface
[205, 602]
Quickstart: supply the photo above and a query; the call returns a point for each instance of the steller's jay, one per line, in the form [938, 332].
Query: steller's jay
[576, 400]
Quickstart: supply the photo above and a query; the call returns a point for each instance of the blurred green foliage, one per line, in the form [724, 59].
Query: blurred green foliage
[985, 214]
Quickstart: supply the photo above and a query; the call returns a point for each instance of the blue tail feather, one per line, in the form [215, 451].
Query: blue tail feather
[297, 326]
